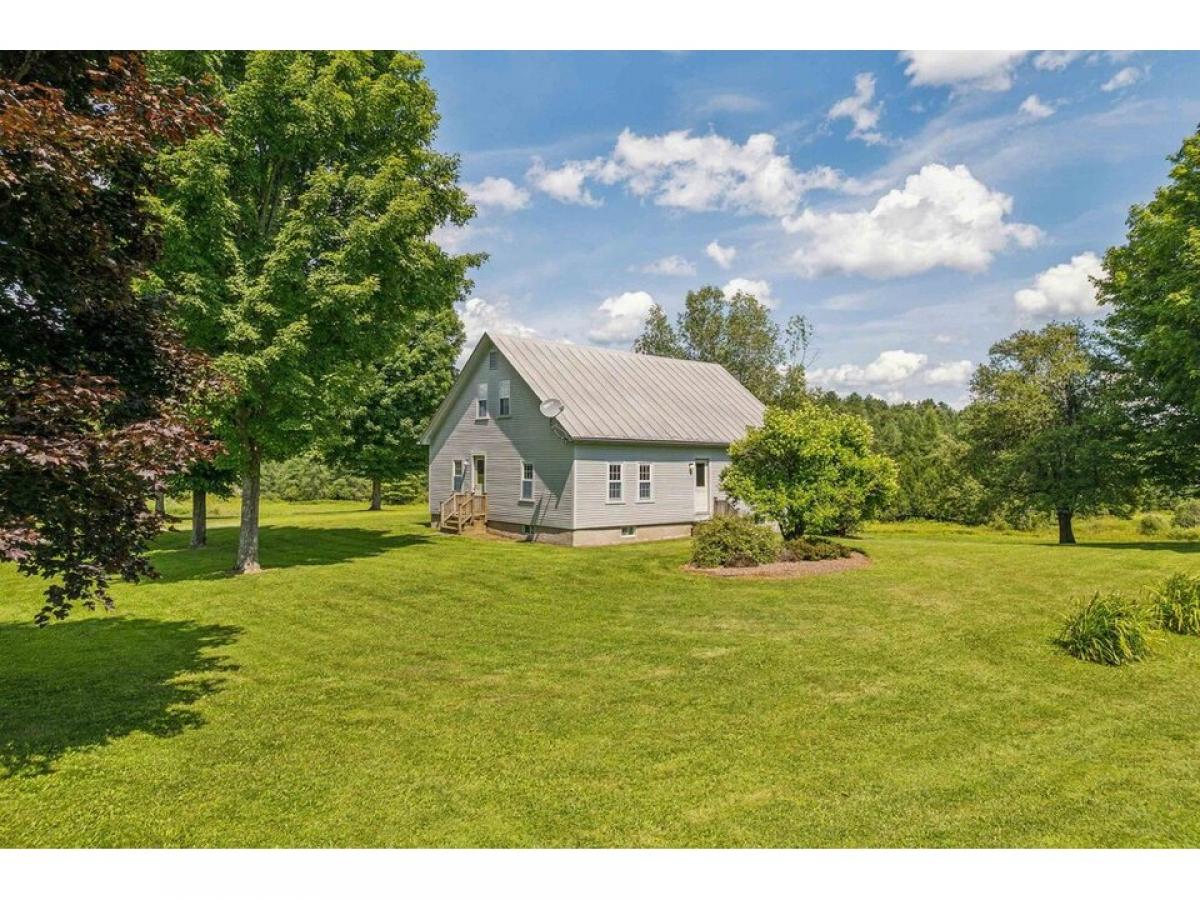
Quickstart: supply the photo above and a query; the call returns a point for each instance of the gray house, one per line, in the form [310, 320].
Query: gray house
[582, 446]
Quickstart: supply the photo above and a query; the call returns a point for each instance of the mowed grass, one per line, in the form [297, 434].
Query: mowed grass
[380, 684]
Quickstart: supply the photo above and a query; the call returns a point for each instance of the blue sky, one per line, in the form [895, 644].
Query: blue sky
[914, 206]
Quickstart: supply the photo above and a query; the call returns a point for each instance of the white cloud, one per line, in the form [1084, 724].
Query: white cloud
[1033, 107]
[858, 109]
[479, 315]
[669, 265]
[681, 171]
[1063, 290]
[1055, 60]
[1123, 79]
[985, 70]
[950, 373]
[888, 368]
[941, 217]
[758, 288]
[620, 319]
[722, 256]
[566, 184]
[499, 193]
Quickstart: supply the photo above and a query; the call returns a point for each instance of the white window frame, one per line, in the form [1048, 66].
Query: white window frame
[609, 482]
[458, 474]
[628, 531]
[492, 360]
[649, 467]
[481, 402]
[530, 481]
[504, 401]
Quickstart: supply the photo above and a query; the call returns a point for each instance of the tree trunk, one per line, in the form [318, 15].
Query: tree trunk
[199, 519]
[160, 503]
[1066, 534]
[376, 494]
[247, 556]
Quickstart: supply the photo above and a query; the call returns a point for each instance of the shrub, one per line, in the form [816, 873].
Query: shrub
[307, 478]
[732, 541]
[1184, 534]
[1187, 514]
[812, 549]
[1152, 523]
[1109, 629]
[1176, 604]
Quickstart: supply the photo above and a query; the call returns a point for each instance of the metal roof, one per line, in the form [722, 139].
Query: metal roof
[617, 395]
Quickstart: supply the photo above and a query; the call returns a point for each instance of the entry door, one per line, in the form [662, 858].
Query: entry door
[480, 466]
[701, 489]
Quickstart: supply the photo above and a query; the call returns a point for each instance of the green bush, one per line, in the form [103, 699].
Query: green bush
[1152, 523]
[1109, 629]
[1176, 604]
[1187, 514]
[409, 489]
[733, 541]
[1184, 534]
[307, 478]
[812, 549]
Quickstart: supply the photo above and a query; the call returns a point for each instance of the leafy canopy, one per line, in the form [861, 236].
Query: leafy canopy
[1046, 425]
[1152, 284]
[738, 333]
[812, 470]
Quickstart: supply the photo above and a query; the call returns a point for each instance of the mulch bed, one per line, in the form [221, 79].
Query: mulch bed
[786, 569]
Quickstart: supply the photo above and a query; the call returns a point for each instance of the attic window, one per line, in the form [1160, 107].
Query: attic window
[491, 359]
[505, 389]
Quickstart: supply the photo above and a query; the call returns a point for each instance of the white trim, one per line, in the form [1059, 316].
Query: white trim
[609, 482]
[475, 472]
[492, 359]
[532, 479]
[504, 396]
[650, 481]
[482, 414]
[453, 487]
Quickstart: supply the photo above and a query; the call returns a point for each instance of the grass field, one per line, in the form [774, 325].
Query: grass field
[380, 684]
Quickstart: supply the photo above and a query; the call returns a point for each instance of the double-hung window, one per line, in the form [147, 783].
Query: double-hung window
[505, 387]
[616, 486]
[491, 359]
[460, 470]
[645, 482]
[526, 481]
[481, 398]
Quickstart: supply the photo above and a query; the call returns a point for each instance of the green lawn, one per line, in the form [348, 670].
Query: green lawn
[380, 684]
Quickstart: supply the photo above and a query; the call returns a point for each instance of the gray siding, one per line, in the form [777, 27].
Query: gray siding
[525, 435]
[671, 478]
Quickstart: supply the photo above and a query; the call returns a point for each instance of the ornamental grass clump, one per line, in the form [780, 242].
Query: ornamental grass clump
[1110, 628]
[733, 541]
[1176, 604]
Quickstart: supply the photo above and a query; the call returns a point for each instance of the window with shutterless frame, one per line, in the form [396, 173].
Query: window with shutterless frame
[505, 402]
[526, 481]
[616, 484]
[645, 482]
[481, 398]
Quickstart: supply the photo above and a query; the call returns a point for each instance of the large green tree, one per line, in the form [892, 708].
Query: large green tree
[1152, 284]
[379, 435]
[811, 470]
[1047, 427]
[94, 383]
[739, 333]
[298, 240]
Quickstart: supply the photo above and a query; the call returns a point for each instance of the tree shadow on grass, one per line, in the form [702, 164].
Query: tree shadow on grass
[280, 547]
[83, 683]
[1166, 546]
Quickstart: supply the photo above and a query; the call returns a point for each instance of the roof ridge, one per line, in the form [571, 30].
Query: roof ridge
[594, 349]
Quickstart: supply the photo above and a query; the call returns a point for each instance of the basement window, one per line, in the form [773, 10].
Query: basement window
[628, 530]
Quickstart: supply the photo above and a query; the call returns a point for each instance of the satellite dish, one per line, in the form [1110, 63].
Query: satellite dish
[551, 408]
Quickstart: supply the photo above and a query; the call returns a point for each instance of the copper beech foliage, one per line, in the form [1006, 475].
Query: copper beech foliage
[94, 384]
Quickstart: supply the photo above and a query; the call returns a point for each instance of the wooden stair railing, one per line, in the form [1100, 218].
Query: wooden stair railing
[461, 509]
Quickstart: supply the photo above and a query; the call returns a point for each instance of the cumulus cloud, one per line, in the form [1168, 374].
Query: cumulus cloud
[942, 217]
[985, 70]
[756, 287]
[620, 319]
[497, 193]
[1033, 107]
[1123, 79]
[1062, 290]
[889, 368]
[950, 373]
[669, 265]
[567, 183]
[860, 111]
[696, 174]
[1055, 60]
[479, 315]
[722, 256]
